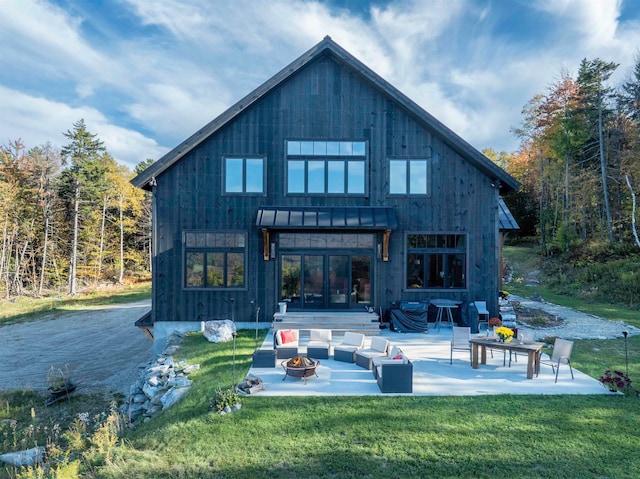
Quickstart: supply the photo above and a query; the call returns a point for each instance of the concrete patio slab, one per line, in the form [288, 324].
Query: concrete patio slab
[432, 373]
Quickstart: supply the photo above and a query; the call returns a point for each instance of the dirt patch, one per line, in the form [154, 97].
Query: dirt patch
[535, 318]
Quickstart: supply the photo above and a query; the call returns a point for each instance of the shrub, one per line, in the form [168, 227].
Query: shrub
[224, 400]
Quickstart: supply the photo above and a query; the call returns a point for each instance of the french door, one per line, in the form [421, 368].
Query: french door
[314, 280]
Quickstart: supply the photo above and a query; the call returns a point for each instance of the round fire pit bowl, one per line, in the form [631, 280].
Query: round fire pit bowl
[300, 367]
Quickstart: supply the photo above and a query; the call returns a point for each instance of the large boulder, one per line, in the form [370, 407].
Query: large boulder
[219, 331]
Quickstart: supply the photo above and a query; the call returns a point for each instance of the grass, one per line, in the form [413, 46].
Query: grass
[25, 308]
[378, 437]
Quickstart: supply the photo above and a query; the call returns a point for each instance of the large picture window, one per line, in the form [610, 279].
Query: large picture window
[244, 175]
[408, 176]
[326, 167]
[214, 259]
[436, 261]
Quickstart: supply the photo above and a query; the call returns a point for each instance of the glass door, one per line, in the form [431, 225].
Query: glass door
[313, 284]
[339, 289]
[325, 281]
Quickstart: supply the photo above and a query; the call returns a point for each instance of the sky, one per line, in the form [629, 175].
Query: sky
[145, 75]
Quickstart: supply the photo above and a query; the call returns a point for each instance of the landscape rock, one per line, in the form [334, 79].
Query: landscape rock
[220, 331]
[28, 457]
[173, 396]
[161, 384]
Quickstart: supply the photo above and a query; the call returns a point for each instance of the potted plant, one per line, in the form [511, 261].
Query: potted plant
[60, 384]
[615, 381]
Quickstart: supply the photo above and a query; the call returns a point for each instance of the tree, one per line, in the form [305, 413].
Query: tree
[591, 78]
[84, 176]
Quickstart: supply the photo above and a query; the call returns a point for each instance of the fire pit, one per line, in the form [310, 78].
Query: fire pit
[300, 367]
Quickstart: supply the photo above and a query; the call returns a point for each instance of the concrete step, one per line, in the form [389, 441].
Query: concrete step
[365, 323]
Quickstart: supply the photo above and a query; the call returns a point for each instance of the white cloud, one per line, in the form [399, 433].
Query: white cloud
[42, 38]
[195, 58]
[37, 120]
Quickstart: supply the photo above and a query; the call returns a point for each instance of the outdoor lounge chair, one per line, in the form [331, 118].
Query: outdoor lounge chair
[395, 375]
[346, 351]
[286, 343]
[561, 355]
[319, 345]
[379, 347]
[460, 341]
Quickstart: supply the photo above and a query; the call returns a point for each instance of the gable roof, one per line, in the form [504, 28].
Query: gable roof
[328, 47]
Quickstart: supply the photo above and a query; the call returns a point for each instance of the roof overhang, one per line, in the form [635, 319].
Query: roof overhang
[506, 220]
[318, 217]
[351, 218]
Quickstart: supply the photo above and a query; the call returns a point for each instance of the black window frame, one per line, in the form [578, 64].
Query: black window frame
[244, 191]
[308, 152]
[448, 246]
[408, 176]
[205, 245]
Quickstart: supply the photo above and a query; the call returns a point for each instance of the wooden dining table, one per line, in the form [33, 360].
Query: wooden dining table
[531, 349]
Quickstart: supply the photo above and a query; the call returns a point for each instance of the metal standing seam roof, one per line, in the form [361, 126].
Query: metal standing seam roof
[319, 217]
[506, 219]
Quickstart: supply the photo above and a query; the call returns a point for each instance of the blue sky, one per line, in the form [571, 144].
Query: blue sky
[147, 74]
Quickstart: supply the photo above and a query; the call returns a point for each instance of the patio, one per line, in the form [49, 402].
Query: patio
[432, 373]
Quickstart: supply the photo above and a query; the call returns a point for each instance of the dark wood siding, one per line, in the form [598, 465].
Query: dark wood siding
[325, 100]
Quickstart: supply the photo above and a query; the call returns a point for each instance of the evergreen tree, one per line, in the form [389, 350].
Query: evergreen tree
[84, 180]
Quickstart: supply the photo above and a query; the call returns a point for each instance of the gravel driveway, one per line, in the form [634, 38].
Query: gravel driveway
[101, 346]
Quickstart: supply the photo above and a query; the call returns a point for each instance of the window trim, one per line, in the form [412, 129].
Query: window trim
[244, 191]
[437, 250]
[407, 160]
[326, 158]
[214, 249]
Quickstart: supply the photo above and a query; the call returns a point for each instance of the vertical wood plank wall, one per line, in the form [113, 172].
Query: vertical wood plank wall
[323, 101]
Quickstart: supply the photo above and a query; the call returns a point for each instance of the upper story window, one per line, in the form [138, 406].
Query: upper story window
[244, 175]
[408, 176]
[436, 261]
[326, 167]
[214, 259]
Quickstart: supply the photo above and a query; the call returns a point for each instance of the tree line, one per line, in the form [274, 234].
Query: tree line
[70, 218]
[579, 161]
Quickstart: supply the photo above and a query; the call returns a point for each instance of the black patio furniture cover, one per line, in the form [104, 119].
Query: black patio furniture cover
[410, 317]
[469, 316]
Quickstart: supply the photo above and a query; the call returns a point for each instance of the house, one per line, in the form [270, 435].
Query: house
[325, 188]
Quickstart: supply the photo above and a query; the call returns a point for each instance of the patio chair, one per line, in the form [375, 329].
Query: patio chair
[379, 347]
[395, 376]
[527, 338]
[286, 343]
[481, 306]
[560, 355]
[346, 351]
[460, 341]
[319, 345]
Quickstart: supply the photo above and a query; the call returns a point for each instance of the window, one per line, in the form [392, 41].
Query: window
[436, 261]
[244, 175]
[214, 259]
[408, 177]
[326, 167]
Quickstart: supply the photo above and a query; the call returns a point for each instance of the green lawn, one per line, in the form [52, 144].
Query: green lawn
[373, 437]
[380, 437]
